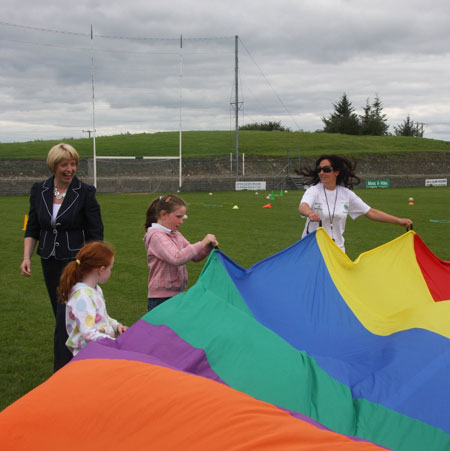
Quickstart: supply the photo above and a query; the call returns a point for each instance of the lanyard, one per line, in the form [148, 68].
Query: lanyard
[328, 207]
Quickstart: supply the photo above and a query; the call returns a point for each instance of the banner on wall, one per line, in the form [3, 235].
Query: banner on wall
[251, 186]
[378, 183]
[435, 182]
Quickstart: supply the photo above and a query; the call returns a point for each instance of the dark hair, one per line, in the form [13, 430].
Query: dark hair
[167, 203]
[92, 255]
[346, 168]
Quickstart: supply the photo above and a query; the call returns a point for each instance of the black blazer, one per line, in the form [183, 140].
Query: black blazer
[78, 221]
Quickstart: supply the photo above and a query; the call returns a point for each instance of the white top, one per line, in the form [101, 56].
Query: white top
[156, 225]
[333, 207]
[56, 208]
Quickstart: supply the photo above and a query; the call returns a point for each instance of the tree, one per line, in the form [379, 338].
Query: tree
[373, 121]
[409, 128]
[265, 126]
[343, 120]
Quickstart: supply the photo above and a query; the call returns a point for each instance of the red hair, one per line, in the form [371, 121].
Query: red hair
[92, 255]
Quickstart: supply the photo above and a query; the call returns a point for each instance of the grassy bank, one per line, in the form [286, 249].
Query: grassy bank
[197, 144]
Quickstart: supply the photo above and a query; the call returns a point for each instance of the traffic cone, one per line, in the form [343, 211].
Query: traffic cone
[272, 196]
[25, 222]
[281, 192]
[267, 205]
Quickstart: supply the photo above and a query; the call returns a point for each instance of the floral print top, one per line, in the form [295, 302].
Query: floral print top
[86, 317]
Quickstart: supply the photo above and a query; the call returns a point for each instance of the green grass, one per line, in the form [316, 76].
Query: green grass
[247, 235]
[198, 144]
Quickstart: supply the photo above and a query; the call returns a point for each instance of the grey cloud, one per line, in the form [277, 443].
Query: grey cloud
[306, 53]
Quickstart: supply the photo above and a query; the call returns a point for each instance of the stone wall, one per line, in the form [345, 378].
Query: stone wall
[217, 173]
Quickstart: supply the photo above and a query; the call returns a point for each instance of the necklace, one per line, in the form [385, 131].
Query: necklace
[334, 209]
[57, 194]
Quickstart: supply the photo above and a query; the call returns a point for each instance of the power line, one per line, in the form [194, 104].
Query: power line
[98, 50]
[131, 38]
[46, 30]
[44, 45]
[268, 82]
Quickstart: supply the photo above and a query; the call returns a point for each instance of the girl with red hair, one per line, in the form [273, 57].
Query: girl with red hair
[86, 316]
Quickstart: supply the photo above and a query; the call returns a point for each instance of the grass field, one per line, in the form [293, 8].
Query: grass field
[247, 235]
[198, 144]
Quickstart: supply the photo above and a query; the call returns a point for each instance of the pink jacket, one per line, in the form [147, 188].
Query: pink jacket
[167, 255]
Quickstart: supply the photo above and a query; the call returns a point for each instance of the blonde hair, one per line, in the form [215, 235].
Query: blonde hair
[60, 152]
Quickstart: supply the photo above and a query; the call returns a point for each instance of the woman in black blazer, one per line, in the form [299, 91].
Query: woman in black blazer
[64, 215]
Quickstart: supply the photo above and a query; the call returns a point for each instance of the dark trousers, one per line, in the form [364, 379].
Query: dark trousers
[154, 302]
[52, 270]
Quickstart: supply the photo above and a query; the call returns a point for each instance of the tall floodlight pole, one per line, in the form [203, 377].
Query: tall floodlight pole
[93, 108]
[236, 72]
[181, 104]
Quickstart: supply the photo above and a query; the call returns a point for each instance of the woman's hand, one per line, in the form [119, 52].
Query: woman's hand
[406, 222]
[210, 240]
[28, 248]
[25, 267]
[305, 210]
[314, 217]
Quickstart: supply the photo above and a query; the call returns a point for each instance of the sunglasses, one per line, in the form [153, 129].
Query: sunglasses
[326, 169]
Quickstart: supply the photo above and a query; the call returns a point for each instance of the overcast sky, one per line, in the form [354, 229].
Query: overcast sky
[296, 58]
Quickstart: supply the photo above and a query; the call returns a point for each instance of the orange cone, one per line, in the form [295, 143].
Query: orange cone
[267, 205]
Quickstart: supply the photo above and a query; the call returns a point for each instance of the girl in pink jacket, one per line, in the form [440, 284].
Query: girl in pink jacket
[168, 251]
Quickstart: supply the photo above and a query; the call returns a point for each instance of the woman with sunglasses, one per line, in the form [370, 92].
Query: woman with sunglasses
[330, 198]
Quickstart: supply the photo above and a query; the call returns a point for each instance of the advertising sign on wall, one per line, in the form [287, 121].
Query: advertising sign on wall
[378, 183]
[435, 182]
[251, 186]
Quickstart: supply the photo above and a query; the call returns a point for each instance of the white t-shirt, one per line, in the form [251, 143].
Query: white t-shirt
[333, 207]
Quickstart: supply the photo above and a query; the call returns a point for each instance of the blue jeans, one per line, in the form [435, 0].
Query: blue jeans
[154, 302]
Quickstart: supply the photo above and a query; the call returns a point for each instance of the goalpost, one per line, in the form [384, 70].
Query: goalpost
[134, 158]
[180, 128]
[180, 119]
[95, 157]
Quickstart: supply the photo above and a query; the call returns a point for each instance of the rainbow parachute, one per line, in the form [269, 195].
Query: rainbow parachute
[304, 350]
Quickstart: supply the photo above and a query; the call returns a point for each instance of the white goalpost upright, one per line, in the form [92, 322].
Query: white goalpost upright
[93, 108]
[181, 105]
[94, 152]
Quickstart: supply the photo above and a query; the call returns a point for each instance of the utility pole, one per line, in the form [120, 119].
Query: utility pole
[88, 131]
[237, 105]
[421, 129]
